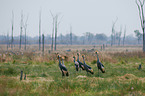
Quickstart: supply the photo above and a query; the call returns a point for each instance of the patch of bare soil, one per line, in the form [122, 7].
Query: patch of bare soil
[80, 76]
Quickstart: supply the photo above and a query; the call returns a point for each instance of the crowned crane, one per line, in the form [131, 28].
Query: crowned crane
[81, 65]
[139, 67]
[99, 64]
[87, 68]
[62, 67]
[76, 63]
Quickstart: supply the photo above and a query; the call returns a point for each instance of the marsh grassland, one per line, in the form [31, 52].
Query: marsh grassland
[122, 77]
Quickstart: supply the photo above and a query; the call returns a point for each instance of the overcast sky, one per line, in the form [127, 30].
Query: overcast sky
[95, 16]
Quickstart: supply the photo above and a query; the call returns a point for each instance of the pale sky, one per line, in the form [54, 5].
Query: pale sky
[95, 16]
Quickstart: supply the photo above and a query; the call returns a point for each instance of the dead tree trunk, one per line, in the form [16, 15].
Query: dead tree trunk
[43, 43]
[71, 35]
[52, 31]
[7, 41]
[21, 29]
[144, 36]
[52, 41]
[124, 35]
[140, 5]
[25, 26]
[55, 27]
[56, 31]
[120, 36]
[52, 35]
[25, 39]
[113, 36]
[40, 31]
[111, 39]
[12, 30]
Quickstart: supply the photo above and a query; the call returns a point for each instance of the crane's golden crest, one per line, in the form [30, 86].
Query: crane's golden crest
[96, 52]
[83, 55]
[74, 56]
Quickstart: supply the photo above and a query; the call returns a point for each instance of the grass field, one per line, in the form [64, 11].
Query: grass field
[122, 78]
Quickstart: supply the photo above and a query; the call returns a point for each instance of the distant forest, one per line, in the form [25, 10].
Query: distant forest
[88, 39]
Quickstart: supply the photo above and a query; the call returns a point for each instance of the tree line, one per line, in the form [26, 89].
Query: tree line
[71, 39]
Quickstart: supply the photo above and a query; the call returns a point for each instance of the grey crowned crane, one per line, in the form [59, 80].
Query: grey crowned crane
[62, 67]
[76, 64]
[99, 64]
[87, 68]
[139, 67]
[81, 65]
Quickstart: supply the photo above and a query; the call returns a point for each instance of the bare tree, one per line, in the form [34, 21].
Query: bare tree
[113, 35]
[52, 31]
[56, 18]
[7, 40]
[124, 35]
[70, 34]
[61, 36]
[111, 39]
[119, 35]
[12, 40]
[56, 28]
[21, 29]
[43, 43]
[40, 30]
[140, 5]
[25, 27]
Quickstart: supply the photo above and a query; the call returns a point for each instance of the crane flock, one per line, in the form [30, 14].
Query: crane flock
[79, 65]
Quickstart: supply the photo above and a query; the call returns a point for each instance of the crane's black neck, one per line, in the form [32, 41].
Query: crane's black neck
[84, 60]
[97, 57]
[78, 58]
[62, 62]
[59, 61]
[74, 59]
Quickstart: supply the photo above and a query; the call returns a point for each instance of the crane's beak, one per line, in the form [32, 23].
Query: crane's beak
[62, 58]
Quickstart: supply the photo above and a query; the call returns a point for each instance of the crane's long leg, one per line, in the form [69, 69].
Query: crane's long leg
[62, 74]
[98, 72]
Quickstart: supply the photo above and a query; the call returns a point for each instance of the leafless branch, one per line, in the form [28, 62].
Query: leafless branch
[60, 20]
[139, 12]
[51, 14]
